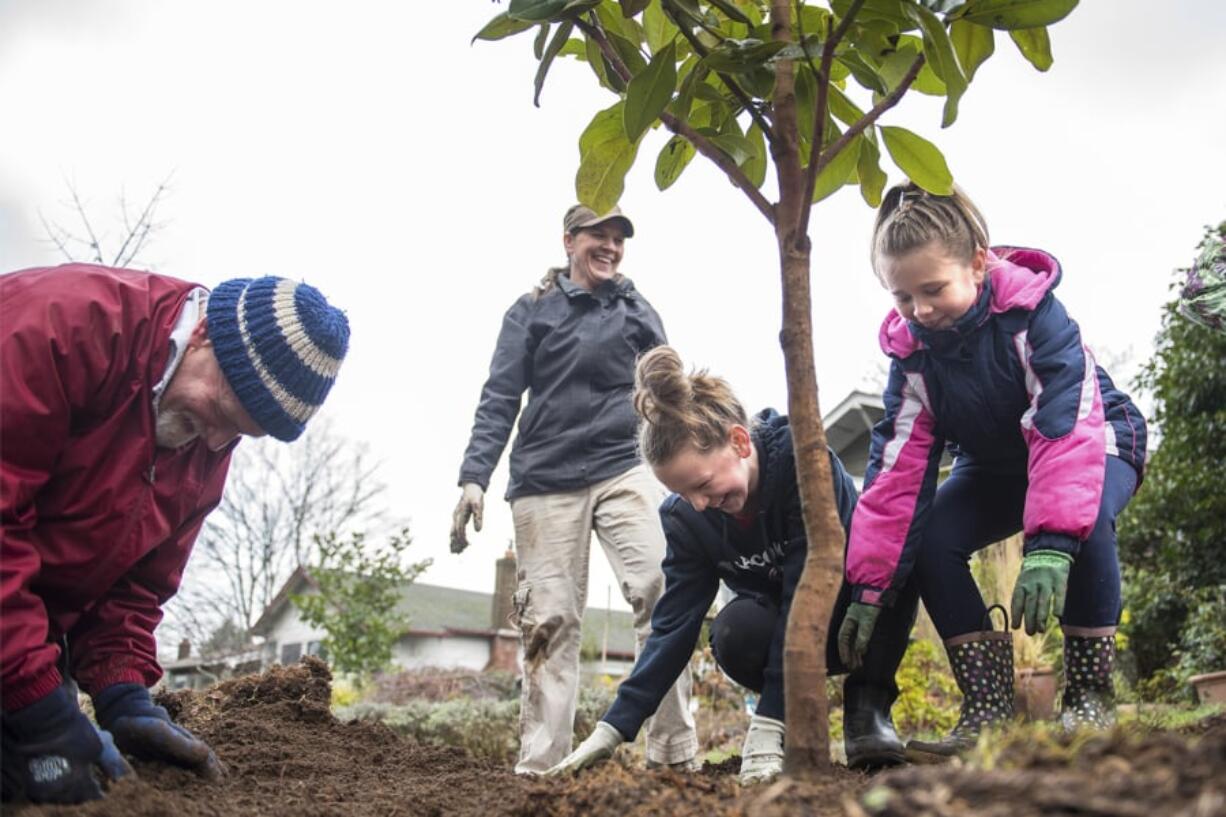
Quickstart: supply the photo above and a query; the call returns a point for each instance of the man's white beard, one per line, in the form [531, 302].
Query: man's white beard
[175, 429]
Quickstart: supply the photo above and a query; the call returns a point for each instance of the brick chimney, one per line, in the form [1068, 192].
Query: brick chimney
[185, 649]
[504, 592]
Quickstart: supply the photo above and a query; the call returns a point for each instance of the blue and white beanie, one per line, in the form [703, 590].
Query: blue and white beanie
[279, 344]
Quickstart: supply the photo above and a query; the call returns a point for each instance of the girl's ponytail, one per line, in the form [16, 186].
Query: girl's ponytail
[910, 218]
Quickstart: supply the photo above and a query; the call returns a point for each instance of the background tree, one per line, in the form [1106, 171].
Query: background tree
[84, 242]
[278, 499]
[1172, 534]
[739, 81]
[358, 588]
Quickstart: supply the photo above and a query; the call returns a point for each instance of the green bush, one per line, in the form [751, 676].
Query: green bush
[486, 729]
[928, 698]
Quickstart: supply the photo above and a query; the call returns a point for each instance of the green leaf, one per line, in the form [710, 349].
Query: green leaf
[973, 44]
[895, 66]
[649, 92]
[872, 177]
[755, 166]
[673, 158]
[731, 12]
[940, 53]
[864, 73]
[633, 7]
[1013, 14]
[842, 107]
[536, 11]
[542, 37]
[889, 11]
[840, 169]
[737, 56]
[601, 68]
[606, 156]
[555, 45]
[919, 159]
[614, 23]
[501, 26]
[659, 30]
[1034, 45]
[735, 145]
[630, 55]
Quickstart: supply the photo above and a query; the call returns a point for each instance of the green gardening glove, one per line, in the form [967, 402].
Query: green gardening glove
[855, 632]
[1040, 589]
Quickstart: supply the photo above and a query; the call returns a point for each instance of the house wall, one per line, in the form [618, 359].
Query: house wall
[289, 630]
[449, 652]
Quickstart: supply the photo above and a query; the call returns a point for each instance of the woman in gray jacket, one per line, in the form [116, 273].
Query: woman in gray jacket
[572, 343]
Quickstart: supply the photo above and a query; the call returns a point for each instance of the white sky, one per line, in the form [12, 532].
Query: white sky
[368, 149]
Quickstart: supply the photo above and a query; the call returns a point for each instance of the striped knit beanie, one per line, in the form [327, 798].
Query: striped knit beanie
[279, 344]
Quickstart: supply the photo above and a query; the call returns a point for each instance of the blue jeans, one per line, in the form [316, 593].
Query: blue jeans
[976, 507]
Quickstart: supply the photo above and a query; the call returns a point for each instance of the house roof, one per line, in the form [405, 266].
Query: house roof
[432, 608]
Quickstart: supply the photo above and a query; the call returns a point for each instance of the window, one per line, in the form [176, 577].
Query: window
[290, 653]
[317, 649]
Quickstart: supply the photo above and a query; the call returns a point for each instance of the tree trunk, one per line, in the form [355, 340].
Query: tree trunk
[807, 749]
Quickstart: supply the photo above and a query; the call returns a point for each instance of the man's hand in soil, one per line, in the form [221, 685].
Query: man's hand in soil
[1040, 589]
[598, 746]
[762, 753]
[53, 754]
[855, 633]
[146, 731]
[472, 503]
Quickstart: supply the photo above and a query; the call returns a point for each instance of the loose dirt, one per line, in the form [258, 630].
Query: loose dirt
[287, 755]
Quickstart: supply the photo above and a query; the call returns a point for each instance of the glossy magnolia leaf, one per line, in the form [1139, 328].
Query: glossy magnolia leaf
[805, 89]
[864, 73]
[614, 23]
[839, 171]
[919, 159]
[536, 11]
[731, 12]
[1034, 45]
[755, 166]
[555, 45]
[628, 52]
[633, 7]
[707, 91]
[758, 82]
[673, 158]
[659, 30]
[940, 53]
[889, 11]
[606, 155]
[973, 44]
[685, 12]
[542, 37]
[895, 66]
[872, 177]
[601, 68]
[575, 47]
[737, 56]
[649, 92]
[1014, 14]
[501, 26]
[842, 107]
[735, 145]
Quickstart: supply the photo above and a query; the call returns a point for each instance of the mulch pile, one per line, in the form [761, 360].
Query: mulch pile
[288, 756]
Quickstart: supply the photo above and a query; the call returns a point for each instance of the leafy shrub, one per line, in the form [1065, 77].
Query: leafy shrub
[928, 698]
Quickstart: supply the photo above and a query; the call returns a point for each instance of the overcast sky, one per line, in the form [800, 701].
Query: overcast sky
[368, 149]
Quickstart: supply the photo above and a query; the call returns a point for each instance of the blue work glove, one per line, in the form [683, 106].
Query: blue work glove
[1040, 589]
[855, 632]
[53, 754]
[146, 731]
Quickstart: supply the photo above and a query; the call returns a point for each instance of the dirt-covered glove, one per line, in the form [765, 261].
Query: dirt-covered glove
[1040, 589]
[597, 747]
[472, 503]
[146, 731]
[53, 754]
[855, 633]
[762, 753]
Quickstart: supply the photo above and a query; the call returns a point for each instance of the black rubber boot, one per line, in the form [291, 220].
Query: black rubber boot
[983, 667]
[1089, 693]
[868, 729]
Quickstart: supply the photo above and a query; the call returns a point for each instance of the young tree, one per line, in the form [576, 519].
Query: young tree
[93, 245]
[739, 81]
[358, 588]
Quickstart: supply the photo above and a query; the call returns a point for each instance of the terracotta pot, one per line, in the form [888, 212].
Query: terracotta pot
[1210, 688]
[1035, 693]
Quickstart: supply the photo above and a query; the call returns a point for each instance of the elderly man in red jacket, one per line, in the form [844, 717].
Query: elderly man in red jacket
[122, 395]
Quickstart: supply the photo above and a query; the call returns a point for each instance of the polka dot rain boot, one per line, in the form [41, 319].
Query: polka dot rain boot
[1089, 695]
[982, 663]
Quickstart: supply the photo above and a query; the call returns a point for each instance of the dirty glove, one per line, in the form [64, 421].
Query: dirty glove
[855, 633]
[1040, 588]
[146, 731]
[472, 503]
[762, 754]
[598, 746]
[53, 754]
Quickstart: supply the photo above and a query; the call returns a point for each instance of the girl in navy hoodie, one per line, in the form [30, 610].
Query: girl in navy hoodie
[735, 516]
[985, 361]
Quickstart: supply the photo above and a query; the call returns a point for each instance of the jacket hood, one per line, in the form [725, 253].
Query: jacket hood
[773, 438]
[1018, 278]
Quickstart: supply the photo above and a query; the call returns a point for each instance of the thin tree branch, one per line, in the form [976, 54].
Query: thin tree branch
[58, 240]
[677, 126]
[144, 225]
[94, 244]
[819, 110]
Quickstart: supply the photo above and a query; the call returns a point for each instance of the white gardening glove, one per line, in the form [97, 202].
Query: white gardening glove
[598, 746]
[472, 503]
[762, 754]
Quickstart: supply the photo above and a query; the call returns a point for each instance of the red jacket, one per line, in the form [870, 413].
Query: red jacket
[97, 521]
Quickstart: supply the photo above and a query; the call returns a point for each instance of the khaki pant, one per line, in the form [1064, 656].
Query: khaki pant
[552, 541]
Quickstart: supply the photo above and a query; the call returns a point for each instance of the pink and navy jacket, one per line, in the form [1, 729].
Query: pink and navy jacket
[1011, 387]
